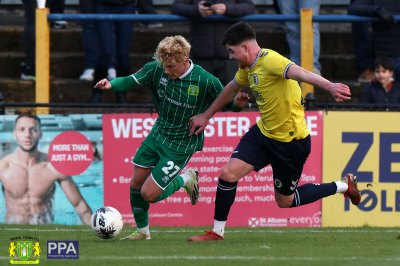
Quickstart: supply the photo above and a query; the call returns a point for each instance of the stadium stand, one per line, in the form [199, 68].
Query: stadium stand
[337, 57]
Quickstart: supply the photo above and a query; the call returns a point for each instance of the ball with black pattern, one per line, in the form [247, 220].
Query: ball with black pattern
[106, 222]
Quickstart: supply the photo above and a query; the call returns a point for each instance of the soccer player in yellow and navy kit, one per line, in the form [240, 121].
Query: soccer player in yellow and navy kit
[180, 90]
[280, 138]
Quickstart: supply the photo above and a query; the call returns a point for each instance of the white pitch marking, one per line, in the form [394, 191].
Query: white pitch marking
[269, 230]
[234, 258]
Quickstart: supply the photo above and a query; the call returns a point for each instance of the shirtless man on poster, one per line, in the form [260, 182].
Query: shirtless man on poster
[29, 180]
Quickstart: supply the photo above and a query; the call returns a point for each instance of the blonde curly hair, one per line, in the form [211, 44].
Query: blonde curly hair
[172, 49]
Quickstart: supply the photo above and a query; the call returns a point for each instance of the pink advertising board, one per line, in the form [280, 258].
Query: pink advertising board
[254, 205]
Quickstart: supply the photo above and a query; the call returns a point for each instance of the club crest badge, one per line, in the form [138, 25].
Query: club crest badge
[278, 183]
[193, 90]
[24, 250]
[255, 79]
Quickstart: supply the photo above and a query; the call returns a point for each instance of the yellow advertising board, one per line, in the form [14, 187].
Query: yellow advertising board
[368, 145]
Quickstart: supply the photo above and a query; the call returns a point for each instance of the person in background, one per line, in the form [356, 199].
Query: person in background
[383, 89]
[205, 36]
[280, 138]
[91, 45]
[28, 36]
[146, 7]
[29, 180]
[292, 7]
[385, 32]
[57, 6]
[180, 90]
[28, 40]
[363, 50]
[89, 42]
[114, 42]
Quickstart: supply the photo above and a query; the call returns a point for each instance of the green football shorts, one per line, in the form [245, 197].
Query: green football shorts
[166, 163]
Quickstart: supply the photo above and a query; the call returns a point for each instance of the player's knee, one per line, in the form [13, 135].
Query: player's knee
[148, 196]
[227, 175]
[283, 204]
[284, 201]
[134, 185]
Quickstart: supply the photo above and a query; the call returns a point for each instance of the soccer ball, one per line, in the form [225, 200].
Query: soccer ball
[106, 222]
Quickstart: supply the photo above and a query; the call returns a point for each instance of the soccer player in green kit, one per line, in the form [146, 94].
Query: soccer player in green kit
[280, 138]
[180, 90]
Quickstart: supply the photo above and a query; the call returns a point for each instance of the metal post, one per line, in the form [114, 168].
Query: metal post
[307, 46]
[42, 86]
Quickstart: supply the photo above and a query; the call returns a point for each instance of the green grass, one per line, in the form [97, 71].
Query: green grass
[242, 246]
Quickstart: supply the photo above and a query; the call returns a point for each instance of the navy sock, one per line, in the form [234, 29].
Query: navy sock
[308, 193]
[226, 192]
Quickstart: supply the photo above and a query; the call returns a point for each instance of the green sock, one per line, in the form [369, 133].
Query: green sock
[140, 208]
[175, 185]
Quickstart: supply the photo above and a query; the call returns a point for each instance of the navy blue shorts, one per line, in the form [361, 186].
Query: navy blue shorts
[286, 158]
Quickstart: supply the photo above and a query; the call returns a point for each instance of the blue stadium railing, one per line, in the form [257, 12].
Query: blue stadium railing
[176, 18]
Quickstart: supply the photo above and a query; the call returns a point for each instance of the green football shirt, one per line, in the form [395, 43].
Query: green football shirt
[176, 101]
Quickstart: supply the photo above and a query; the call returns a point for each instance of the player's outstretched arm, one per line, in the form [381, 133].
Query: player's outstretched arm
[340, 92]
[120, 84]
[103, 84]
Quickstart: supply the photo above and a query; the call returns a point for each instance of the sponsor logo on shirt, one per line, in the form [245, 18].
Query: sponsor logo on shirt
[161, 93]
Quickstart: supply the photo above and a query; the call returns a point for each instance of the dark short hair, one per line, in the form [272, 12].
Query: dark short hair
[238, 33]
[35, 117]
[384, 62]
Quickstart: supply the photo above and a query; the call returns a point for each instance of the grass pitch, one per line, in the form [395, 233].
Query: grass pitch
[242, 246]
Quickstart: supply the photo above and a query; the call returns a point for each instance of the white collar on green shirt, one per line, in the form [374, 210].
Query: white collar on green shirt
[188, 71]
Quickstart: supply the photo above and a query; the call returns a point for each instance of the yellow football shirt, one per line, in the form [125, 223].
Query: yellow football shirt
[279, 99]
